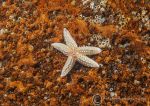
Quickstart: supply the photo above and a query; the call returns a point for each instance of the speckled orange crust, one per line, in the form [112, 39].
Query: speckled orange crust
[30, 68]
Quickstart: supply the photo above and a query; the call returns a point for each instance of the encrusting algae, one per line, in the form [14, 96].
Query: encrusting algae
[30, 67]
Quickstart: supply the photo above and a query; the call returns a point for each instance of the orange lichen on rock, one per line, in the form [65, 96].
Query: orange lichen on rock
[53, 101]
[85, 101]
[74, 89]
[1, 55]
[28, 60]
[82, 25]
[30, 68]
[12, 96]
[19, 86]
[23, 48]
[105, 30]
[48, 84]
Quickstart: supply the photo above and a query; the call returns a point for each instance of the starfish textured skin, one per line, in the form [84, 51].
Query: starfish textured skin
[75, 53]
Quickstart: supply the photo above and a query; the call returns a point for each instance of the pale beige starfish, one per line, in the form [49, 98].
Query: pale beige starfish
[75, 53]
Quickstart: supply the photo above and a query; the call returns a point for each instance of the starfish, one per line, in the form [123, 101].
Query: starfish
[75, 53]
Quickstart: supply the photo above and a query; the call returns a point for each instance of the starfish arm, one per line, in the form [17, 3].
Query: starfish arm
[86, 61]
[68, 66]
[68, 38]
[61, 47]
[89, 50]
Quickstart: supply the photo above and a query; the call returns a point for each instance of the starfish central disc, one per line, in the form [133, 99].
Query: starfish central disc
[73, 52]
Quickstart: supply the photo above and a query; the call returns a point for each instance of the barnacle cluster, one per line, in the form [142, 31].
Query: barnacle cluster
[100, 41]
